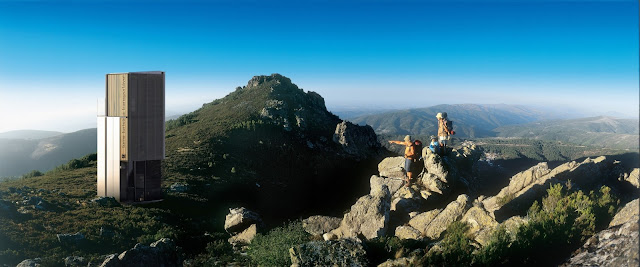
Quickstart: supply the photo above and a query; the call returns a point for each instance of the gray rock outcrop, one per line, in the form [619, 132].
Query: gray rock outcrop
[319, 225]
[432, 223]
[439, 177]
[240, 219]
[160, 253]
[245, 237]
[369, 216]
[402, 262]
[105, 202]
[531, 184]
[71, 239]
[421, 221]
[407, 232]
[355, 140]
[29, 263]
[450, 214]
[344, 252]
[616, 246]
[392, 167]
[633, 178]
[481, 224]
[75, 261]
[393, 184]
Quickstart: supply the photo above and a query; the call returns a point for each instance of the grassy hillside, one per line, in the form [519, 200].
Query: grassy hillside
[470, 120]
[265, 146]
[19, 156]
[34, 210]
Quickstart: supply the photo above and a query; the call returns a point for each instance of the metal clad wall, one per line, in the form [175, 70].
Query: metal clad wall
[102, 150]
[153, 189]
[146, 118]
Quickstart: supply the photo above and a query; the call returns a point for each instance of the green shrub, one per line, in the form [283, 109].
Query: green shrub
[219, 253]
[455, 247]
[272, 248]
[75, 164]
[561, 224]
[31, 174]
[495, 252]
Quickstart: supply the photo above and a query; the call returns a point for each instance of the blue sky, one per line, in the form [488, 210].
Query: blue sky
[387, 54]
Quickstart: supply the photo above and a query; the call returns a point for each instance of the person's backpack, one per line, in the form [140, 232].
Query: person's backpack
[416, 148]
[450, 127]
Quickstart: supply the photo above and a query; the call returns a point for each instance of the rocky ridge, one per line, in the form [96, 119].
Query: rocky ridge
[412, 213]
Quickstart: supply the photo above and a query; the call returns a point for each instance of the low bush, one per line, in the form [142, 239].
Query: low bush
[272, 248]
[455, 249]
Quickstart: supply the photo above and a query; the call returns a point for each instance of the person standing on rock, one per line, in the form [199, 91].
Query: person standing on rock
[411, 157]
[443, 131]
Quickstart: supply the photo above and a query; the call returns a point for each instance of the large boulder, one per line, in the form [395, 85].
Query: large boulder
[344, 252]
[407, 232]
[356, 140]
[160, 253]
[628, 213]
[481, 224]
[392, 167]
[369, 216]
[319, 225]
[394, 184]
[451, 213]
[245, 237]
[421, 221]
[240, 219]
[632, 177]
[615, 246]
[440, 174]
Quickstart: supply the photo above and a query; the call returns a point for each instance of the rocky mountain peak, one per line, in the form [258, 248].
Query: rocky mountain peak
[274, 78]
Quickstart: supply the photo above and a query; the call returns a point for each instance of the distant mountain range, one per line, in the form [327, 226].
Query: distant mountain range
[479, 121]
[26, 150]
[470, 120]
[19, 156]
[28, 134]
[595, 131]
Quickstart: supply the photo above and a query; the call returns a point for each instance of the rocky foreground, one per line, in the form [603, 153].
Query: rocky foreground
[442, 194]
[425, 209]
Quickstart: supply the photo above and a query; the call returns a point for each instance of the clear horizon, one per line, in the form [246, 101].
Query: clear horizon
[563, 54]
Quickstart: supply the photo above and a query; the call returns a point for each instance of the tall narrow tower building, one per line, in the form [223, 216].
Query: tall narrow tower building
[131, 137]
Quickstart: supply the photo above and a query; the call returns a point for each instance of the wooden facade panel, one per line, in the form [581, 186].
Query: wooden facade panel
[117, 95]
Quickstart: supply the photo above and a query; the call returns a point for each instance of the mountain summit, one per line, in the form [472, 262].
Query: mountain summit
[267, 139]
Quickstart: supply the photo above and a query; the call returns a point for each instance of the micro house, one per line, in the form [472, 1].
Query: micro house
[131, 137]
